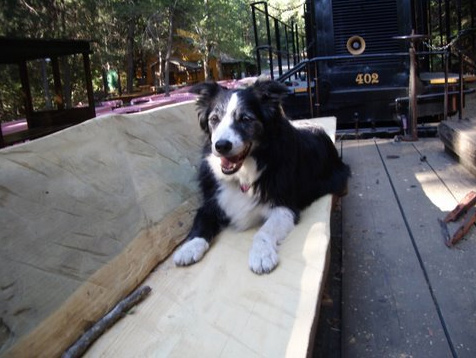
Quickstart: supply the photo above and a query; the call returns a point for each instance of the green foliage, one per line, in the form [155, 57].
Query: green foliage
[11, 104]
[287, 10]
[123, 32]
[222, 25]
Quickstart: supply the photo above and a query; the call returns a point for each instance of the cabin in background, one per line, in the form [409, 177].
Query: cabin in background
[58, 112]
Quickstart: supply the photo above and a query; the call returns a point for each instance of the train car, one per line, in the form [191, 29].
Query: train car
[359, 67]
[367, 67]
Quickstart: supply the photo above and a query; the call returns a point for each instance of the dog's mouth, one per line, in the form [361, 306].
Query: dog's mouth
[230, 165]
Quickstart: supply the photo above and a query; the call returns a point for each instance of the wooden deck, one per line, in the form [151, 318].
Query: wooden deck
[459, 134]
[405, 294]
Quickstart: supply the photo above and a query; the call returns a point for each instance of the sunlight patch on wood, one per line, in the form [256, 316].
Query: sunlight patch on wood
[444, 201]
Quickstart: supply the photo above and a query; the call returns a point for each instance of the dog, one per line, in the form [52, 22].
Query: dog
[257, 169]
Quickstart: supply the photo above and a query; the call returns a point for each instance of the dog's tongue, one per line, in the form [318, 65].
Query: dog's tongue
[226, 163]
[229, 162]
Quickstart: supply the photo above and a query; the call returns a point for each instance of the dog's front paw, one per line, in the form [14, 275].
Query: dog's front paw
[263, 256]
[191, 252]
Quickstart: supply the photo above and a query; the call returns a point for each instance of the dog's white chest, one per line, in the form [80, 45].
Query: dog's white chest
[235, 194]
[243, 210]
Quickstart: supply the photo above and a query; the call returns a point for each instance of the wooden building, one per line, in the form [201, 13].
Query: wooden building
[41, 122]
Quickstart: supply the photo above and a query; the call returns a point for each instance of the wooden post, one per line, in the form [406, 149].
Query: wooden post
[2, 142]
[89, 84]
[57, 81]
[412, 88]
[461, 88]
[25, 86]
[413, 93]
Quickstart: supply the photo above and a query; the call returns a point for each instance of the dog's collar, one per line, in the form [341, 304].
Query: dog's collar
[245, 187]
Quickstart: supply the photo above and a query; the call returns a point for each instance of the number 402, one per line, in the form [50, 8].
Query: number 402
[366, 78]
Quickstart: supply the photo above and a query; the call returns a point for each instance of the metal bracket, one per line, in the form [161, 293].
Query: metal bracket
[465, 206]
[468, 201]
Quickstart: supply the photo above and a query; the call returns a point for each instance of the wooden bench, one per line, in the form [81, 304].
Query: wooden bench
[87, 213]
[459, 138]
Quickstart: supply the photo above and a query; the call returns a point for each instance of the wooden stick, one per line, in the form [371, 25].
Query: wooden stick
[88, 338]
[464, 205]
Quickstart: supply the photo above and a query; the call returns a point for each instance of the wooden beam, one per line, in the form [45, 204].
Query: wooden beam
[86, 214]
[89, 84]
[107, 286]
[218, 307]
[26, 91]
[59, 100]
[2, 142]
[15, 50]
[459, 139]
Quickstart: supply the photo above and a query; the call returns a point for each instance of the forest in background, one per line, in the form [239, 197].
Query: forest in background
[124, 32]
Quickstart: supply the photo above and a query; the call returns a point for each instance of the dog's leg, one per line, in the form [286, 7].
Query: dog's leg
[206, 225]
[264, 252]
[191, 252]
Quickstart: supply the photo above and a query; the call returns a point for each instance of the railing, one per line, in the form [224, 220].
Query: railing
[312, 81]
[292, 48]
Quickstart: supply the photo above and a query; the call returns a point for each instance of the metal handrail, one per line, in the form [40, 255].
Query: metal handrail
[305, 63]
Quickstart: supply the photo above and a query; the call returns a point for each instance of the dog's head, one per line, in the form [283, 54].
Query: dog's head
[236, 119]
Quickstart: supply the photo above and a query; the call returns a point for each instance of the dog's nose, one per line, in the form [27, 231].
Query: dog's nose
[223, 146]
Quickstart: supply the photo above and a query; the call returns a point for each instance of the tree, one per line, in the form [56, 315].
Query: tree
[217, 30]
[158, 37]
[116, 29]
[127, 16]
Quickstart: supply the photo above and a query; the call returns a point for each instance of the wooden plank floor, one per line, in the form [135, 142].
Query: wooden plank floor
[405, 294]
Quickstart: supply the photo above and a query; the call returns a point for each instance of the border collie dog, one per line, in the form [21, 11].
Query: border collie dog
[257, 169]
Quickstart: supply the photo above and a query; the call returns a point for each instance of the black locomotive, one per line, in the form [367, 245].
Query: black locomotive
[376, 64]
[368, 68]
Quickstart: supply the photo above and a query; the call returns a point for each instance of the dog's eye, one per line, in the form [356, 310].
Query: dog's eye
[246, 118]
[213, 120]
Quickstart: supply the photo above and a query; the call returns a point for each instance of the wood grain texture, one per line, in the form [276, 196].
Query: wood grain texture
[387, 312]
[404, 292]
[428, 190]
[459, 138]
[86, 213]
[219, 308]
[119, 311]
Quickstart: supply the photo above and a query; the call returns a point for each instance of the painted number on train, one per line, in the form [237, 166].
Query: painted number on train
[367, 78]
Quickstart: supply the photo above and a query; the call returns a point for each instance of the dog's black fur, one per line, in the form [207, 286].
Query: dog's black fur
[290, 167]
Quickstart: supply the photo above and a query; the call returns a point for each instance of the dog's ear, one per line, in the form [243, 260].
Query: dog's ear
[207, 93]
[270, 91]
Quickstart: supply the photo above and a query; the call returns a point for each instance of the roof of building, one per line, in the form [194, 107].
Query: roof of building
[13, 50]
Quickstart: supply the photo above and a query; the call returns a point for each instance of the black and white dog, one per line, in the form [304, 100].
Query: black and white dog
[257, 168]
